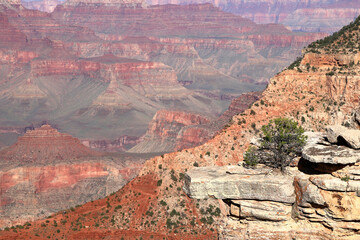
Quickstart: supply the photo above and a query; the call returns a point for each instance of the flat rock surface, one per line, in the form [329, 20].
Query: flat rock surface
[335, 184]
[235, 182]
[318, 152]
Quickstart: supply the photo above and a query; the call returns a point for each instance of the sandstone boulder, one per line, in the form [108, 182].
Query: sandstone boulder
[332, 154]
[235, 182]
[337, 133]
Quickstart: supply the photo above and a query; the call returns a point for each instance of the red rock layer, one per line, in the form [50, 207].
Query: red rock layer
[121, 144]
[9, 35]
[46, 144]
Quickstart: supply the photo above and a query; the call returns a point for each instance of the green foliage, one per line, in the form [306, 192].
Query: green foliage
[282, 140]
[346, 38]
[250, 157]
[159, 182]
[196, 164]
[296, 63]
[346, 178]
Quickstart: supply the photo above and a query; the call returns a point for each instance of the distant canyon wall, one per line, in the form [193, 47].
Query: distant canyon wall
[299, 15]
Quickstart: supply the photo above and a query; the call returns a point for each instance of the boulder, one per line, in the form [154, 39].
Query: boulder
[260, 210]
[337, 134]
[331, 154]
[235, 182]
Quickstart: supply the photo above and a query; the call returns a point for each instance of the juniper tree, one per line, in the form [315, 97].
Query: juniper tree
[281, 140]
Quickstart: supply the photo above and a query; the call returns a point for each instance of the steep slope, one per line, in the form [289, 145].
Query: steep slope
[175, 130]
[315, 97]
[167, 129]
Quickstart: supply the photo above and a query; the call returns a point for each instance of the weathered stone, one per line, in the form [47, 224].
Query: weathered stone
[320, 212]
[205, 182]
[261, 210]
[333, 154]
[335, 184]
[337, 133]
[308, 210]
[234, 209]
[307, 193]
[342, 206]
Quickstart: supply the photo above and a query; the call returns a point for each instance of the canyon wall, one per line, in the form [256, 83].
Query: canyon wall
[311, 16]
[74, 67]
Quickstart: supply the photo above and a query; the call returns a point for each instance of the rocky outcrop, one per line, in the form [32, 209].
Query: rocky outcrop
[123, 143]
[261, 195]
[235, 182]
[339, 134]
[184, 129]
[320, 151]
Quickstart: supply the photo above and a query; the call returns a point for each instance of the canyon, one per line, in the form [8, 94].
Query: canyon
[303, 15]
[72, 70]
[111, 79]
[319, 89]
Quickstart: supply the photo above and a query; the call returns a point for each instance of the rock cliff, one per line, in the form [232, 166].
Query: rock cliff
[176, 130]
[45, 145]
[170, 129]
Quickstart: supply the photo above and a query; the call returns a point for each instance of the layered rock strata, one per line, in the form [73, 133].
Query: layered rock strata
[328, 194]
[46, 171]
